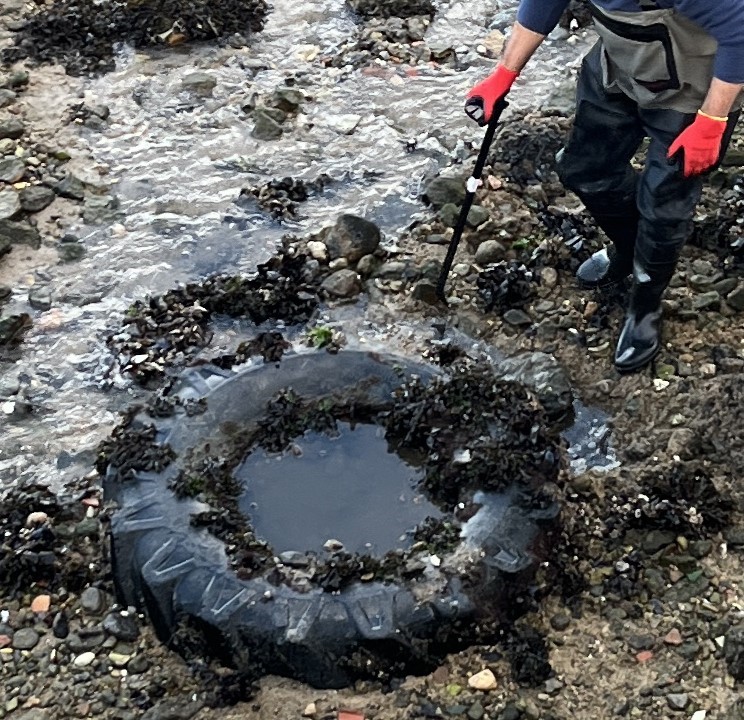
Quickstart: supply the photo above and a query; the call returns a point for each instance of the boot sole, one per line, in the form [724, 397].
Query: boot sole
[639, 365]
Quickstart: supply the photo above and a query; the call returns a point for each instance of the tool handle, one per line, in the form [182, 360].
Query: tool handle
[472, 185]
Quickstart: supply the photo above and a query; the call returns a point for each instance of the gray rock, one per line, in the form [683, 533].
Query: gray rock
[8, 146]
[19, 233]
[19, 78]
[642, 642]
[10, 204]
[12, 169]
[490, 251]
[655, 540]
[725, 286]
[476, 711]
[202, 83]
[678, 701]
[477, 215]
[342, 284]
[352, 237]
[287, 99]
[86, 640]
[40, 297]
[70, 252]
[122, 625]
[25, 639]
[265, 127]
[12, 128]
[343, 124]
[292, 558]
[436, 239]
[138, 664]
[92, 600]
[449, 214]
[173, 710]
[544, 376]
[426, 291]
[367, 265]
[707, 301]
[70, 187]
[442, 191]
[7, 97]
[36, 198]
[393, 270]
[100, 209]
[553, 686]
[518, 318]
[560, 622]
[735, 299]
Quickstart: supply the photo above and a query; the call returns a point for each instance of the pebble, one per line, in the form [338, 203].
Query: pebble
[91, 600]
[678, 701]
[84, 659]
[25, 639]
[41, 604]
[483, 680]
[36, 518]
[673, 637]
[310, 710]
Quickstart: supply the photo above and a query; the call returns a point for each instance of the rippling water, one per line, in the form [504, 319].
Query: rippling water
[179, 163]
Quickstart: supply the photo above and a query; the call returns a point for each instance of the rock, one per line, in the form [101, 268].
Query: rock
[655, 540]
[12, 169]
[13, 327]
[493, 43]
[642, 642]
[70, 187]
[86, 640]
[287, 99]
[12, 129]
[426, 291]
[544, 376]
[476, 711]
[343, 124]
[678, 701]
[172, 710]
[333, 545]
[553, 686]
[60, 625]
[138, 664]
[25, 639]
[202, 83]
[36, 198]
[477, 215]
[707, 301]
[560, 622]
[735, 298]
[10, 204]
[19, 233]
[40, 297]
[683, 442]
[292, 558]
[122, 625]
[69, 252]
[36, 518]
[342, 284]
[673, 637]
[449, 214]
[41, 604]
[548, 277]
[310, 710]
[7, 146]
[518, 318]
[442, 191]
[352, 237]
[7, 97]
[100, 209]
[490, 251]
[265, 126]
[734, 652]
[84, 659]
[92, 600]
[317, 250]
[367, 265]
[484, 681]
[510, 712]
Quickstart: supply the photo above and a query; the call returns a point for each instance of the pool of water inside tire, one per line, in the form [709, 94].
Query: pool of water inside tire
[352, 487]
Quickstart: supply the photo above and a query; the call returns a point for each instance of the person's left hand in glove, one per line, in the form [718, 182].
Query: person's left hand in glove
[700, 143]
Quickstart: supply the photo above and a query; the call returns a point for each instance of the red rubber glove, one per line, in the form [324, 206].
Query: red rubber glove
[700, 144]
[483, 97]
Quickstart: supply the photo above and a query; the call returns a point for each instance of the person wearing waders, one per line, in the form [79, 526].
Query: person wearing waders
[670, 70]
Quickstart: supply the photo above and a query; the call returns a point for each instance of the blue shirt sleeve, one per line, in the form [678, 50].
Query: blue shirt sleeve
[724, 20]
[541, 16]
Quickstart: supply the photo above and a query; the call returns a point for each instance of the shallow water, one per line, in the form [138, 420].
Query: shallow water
[178, 163]
[352, 488]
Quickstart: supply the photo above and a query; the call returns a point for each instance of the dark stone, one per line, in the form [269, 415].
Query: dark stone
[25, 639]
[657, 539]
[173, 710]
[510, 712]
[734, 652]
[60, 625]
[642, 642]
[265, 127]
[442, 191]
[86, 640]
[352, 237]
[12, 169]
[70, 187]
[36, 198]
[518, 318]
[287, 99]
[100, 209]
[7, 97]
[19, 233]
[69, 252]
[426, 291]
[12, 129]
[342, 284]
[122, 625]
[560, 622]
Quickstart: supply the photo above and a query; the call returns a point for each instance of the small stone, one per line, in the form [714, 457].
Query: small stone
[36, 518]
[483, 680]
[265, 126]
[41, 604]
[426, 291]
[119, 660]
[553, 686]
[735, 298]
[342, 284]
[85, 659]
[673, 637]
[60, 625]
[12, 129]
[490, 251]
[707, 301]
[476, 711]
[333, 545]
[549, 277]
[317, 250]
[19, 233]
[518, 318]
[7, 97]
[10, 204]
[477, 215]
[70, 187]
[311, 710]
[343, 124]
[560, 622]
[293, 558]
[510, 712]
[644, 656]
[678, 701]
[442, 191]
[36, 198]
[40, 297]
[138, 664]
[25, 639]
[122, 625]
[12, 170]
[699, 715]
[288, 99]
[92, 600]
[202, 83]
[642, 642]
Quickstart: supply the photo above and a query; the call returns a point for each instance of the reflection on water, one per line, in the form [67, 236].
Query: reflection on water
[350, 488]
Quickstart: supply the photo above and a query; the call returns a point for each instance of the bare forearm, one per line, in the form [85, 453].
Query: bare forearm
[521, 47]
[721, 98]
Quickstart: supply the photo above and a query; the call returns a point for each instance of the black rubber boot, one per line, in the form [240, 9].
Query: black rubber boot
[611, 265]
[640, 339]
